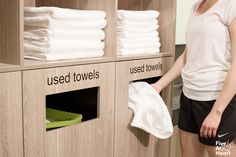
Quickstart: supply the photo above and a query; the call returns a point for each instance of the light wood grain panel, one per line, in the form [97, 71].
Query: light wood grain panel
[92, 138]
[156, 67]
[129, 4]
[9, 67]
[167, 20]
[150, 4]
[21, 32]
[11, 140]
[129, 142]
[132, 142]
[138, 4]
[33, 64]
[143, 56]
[34, 114]
[30, 3]
[10, 31]
[79, 4]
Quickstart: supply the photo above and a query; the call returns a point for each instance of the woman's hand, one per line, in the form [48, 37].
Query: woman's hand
[210, 125]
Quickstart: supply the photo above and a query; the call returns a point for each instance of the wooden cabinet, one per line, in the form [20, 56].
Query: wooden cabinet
[92, 138]
[11, 132]
[108, 134]
[133, 142]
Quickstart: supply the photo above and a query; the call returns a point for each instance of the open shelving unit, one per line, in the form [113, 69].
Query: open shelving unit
[99, 136]
[106, 5]
[11, 39]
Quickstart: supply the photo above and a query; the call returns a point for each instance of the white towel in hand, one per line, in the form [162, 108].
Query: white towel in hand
[64, 13]
[63, 46]
[52, 34]
[48, 22]
[123, 52]
[137, 29]
[137, 23]
[137, 15]
[63, 56]
[132, 35]
[150, 111]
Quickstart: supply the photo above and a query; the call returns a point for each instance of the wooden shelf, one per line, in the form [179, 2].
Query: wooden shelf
[8, 67]
[145, 56]
[34, 64]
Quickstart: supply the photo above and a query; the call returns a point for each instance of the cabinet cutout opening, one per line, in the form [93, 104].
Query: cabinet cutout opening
[150, 80]
[74, 104]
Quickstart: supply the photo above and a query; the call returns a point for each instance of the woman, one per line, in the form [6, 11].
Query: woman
[208, 67]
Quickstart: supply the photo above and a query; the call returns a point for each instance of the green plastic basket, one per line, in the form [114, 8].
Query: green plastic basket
[59, 118]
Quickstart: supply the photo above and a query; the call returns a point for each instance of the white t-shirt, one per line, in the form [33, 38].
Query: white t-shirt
[208, 50]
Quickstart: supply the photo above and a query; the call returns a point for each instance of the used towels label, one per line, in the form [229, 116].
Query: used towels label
[146, 68]
[72, 76]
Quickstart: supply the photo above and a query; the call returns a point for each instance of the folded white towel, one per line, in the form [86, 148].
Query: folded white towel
[137, 29]
[48, 22]
[52, 34]
[132, 35]
[130, 46]
[138, 40]
[137, 15]
[123, 52]
[63, 46]
[137, 23]
[64, 13]
[150, 111]
[63, 56]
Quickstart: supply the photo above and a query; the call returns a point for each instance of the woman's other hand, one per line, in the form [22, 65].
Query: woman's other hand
[210, 125]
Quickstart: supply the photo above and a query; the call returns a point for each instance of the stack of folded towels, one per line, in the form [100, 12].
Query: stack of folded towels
[53, 33]
[137, 32]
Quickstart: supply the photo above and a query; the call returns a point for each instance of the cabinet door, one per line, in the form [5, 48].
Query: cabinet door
[92, 138]
[11, 136]
[133, 142]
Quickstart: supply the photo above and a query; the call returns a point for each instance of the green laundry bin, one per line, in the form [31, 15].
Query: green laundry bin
[59, 118]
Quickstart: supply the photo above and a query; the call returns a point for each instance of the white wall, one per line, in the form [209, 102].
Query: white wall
[183, 9]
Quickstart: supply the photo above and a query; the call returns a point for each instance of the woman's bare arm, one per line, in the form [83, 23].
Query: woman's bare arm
[172, 74]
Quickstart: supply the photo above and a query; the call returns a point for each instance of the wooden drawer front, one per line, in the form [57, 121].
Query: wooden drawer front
[133, 142]
[92, 138]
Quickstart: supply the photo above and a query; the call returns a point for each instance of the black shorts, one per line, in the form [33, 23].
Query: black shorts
[193, 113]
